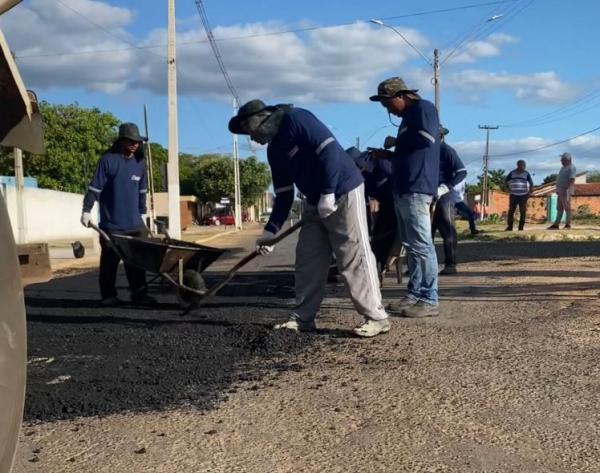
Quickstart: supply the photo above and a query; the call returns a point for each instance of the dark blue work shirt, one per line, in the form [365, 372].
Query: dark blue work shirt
[305, 153]
[416, 157]
[452, 169]
[120, 186]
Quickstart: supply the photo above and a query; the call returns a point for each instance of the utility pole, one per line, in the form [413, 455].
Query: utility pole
[20, 189]
[485, 191]
[173, 156]
[237, 212]
[436, 78]
[358, 142]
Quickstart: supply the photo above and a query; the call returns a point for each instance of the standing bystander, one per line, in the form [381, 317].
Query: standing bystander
[519, 184]
[565, 186]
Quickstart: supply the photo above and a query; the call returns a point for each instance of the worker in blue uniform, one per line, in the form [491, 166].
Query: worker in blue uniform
[119, 186]
[303, 152]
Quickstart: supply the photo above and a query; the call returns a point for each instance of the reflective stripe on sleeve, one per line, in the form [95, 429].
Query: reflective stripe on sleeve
[281, 190]
[322, 146]
[427, 135]
[93, 189]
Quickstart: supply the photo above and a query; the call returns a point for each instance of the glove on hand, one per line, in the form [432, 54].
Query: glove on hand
[442, 189]
[86, 218]
[261, 240]
[326, 205]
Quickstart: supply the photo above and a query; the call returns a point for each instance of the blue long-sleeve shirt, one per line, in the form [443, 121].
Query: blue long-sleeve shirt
[120, 186]
[452, 169]
[305, 153]
[416, 156]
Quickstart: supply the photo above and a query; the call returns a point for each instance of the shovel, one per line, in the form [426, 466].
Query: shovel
[203, 295]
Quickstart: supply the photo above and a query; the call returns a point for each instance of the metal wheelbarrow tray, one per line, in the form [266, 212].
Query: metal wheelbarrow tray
[178, 262]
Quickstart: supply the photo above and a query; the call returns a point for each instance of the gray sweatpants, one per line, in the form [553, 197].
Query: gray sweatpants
[344, 233]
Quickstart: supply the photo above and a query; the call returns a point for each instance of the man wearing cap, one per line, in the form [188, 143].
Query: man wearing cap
[565, 186]
[120, 186]
[416, 170]
[302, 152]
[452, 172]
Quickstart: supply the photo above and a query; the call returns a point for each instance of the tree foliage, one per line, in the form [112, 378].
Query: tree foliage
[550, 178]
[74, 138]
[211, 177]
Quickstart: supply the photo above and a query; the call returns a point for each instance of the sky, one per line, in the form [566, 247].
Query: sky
[532, 70]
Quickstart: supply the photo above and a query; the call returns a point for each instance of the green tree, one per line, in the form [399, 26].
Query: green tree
[255, 178]
[212, 178]
[549, 178]
[75, 138]
[159, 160]
[496, 180]
[593, 176]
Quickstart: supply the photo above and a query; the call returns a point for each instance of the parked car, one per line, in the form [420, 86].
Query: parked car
[219, 217]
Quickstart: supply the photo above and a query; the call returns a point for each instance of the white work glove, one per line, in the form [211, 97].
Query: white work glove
[389, 142]
[442, 189]
[261, 240]
[86, 219]
[326, 205]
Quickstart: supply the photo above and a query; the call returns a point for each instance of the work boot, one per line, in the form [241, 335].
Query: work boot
[508, 229]
[448, 270]
[297, 325]
[567, 226]
[111, 301]
[143, 299]
[397, 308]
[421, 310]
[554, 226]
[371, 328]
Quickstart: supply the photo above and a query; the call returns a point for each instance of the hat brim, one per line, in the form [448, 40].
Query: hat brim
[379, 98]
[137, 138]
[235, 123]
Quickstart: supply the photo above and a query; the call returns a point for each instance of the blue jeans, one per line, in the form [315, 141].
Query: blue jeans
[414, 227]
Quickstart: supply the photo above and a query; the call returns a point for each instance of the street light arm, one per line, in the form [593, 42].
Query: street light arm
[419, 52]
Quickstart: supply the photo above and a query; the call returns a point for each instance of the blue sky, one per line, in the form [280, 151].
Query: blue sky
[535, 61]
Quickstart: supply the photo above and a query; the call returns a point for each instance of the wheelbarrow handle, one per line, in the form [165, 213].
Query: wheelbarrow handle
[107, 239]
[244, 261]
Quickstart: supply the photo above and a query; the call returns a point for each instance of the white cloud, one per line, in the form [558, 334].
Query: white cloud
[340, 64]
[541, 87]
[474, 50]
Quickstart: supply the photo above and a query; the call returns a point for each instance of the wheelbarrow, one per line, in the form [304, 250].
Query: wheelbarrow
[179, 262]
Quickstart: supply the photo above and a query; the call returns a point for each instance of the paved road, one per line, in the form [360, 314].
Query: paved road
[506, 380]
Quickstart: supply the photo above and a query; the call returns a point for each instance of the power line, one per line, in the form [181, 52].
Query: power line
[241, 37]
[214, 47]
[556, 143]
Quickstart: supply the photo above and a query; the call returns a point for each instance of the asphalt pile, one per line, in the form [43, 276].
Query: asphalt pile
[88, 361]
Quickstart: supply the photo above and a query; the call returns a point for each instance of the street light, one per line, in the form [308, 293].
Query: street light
[435, 64]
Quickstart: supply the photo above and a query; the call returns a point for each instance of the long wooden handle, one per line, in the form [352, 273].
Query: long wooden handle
[244, 261]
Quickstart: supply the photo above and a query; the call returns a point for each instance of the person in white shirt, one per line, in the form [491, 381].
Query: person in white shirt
[565, 187]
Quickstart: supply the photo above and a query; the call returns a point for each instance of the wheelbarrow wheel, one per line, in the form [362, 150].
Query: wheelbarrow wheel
[188, 299]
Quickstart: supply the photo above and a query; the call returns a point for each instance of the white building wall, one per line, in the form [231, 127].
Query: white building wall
[49, 215]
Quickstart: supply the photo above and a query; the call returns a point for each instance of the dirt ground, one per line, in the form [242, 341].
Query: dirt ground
[505, 380]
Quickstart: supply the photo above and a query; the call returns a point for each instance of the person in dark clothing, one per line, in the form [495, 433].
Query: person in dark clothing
[520, 185]
[458, 194]
[120, 186]
[303, 153]
[415, 165]
[378, 185]
[452, 172]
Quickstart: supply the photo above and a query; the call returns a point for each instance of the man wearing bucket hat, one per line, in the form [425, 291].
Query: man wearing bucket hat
[120, 186]
[302, 152]
[416, 166]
